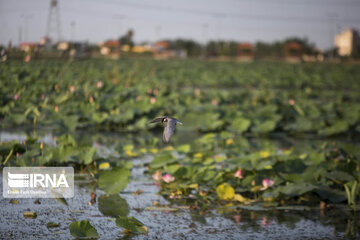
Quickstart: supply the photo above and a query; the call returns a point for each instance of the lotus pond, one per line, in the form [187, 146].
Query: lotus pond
[267, 149]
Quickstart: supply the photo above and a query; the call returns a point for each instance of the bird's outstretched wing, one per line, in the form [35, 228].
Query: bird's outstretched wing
[158, 119]
[169, 129]
[177, 121]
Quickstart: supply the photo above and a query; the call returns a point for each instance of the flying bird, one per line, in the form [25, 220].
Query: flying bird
[169, 128]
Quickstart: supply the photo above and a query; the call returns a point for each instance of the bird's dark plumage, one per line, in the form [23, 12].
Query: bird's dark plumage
[169, 128]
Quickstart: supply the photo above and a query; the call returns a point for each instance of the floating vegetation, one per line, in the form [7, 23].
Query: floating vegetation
[226, 162]
[83, 230]
[256, 98]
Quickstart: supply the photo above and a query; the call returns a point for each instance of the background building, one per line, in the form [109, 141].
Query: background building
[245, 51]
[347, 43]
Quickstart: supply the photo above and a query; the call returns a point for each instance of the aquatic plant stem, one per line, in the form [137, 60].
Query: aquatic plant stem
[8, 156]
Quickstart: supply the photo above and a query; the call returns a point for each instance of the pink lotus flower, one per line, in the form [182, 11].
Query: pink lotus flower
[157, 175]
[155, 92]
[99, 84]
[266, 184]
[152, 100]
[56, 108]
[72, 88]
[291, 102]
[197, 91]
[266, 222]
[214, 102]
[237, 219]
[238, 174]
[174, 196]
[43, 96]
[138, 98]
[16, 97]
[168, 178]
[149, 90]
[27, 58]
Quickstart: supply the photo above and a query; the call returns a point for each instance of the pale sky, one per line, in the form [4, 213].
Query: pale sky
[200, 20]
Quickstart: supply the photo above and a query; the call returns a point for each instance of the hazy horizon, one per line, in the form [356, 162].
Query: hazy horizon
[202, 21]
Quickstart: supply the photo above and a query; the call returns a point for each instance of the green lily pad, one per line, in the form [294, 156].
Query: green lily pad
[239, 125]
[340, 176]
[131, 224]
[161, 160]
[113, 205]
[184, 148]
[336, 196]
[85, 155]
[339, 127]
[296, 189]
[18, 118]
[114, 180]
[225, 191]
[83, 230]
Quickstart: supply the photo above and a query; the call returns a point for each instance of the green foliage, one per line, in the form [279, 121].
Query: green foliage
[231, 100]
[212, 166]
[225, 192]
[113, 205]
[131, 224]
[83, 230]
[259, 98]
[115, 180]
[351, 189]
[239, 125]
[162, 159]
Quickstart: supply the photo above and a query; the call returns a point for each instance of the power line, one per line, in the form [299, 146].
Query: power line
[304, 2]
[227, 15]
[156, 20]
[256, 17]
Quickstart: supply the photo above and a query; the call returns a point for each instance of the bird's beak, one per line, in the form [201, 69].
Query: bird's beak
[180, 123]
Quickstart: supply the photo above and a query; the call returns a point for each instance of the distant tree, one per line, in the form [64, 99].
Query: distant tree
[221, 48]
[233, 49]
[193, 49]
[212, 49]
[308, 48]
[276, 49]
[127, 39]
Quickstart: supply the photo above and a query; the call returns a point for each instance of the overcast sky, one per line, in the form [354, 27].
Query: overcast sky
[201, 20]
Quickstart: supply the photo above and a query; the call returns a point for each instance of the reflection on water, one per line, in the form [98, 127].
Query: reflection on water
[330, 223]
[226, 222]
[219, 223]
[111, 139]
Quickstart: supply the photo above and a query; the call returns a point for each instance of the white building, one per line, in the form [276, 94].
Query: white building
[347, 42]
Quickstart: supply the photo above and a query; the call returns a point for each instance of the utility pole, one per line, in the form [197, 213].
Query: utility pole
[205, 36]
[332, 27]
[73, 24]
[205, 27]
[53, 21]
[20, 35]
[158, 32]
[219, 25]
[26, 17]
[120, 18]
